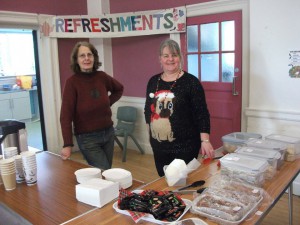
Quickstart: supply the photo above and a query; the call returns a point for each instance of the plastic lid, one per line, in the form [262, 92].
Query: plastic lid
[283, 138]
[240, 137]
[244, 162]
[258, 152]
[266, 144]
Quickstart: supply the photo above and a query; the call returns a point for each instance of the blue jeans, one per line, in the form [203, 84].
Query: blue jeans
[97, 147]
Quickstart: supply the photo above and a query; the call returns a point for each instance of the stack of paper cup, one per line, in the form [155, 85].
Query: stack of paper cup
[8, 173]
[9, 152]
[20, 178]
[29, 167]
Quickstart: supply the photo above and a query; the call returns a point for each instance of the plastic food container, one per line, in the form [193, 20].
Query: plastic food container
[230, 204]
[244, 168]
[234, 140]
[271, 156]
[267, 145]
[292, 144]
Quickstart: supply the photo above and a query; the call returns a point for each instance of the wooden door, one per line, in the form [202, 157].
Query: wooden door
[212, 48]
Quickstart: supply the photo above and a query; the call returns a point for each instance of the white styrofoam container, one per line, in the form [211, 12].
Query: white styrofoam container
[97, 192]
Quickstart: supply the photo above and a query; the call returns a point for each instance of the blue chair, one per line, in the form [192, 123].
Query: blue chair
[126, 116]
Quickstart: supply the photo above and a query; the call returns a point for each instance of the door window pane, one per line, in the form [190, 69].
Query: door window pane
[227, 67]
[209, 37]
[228, 36]
[193, 65]
[210, 67]
[16, 52]
[192, 38]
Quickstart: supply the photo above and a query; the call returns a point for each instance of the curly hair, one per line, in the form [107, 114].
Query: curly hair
[74, 55]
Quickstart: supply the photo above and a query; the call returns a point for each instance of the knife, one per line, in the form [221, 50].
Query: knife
[199, 191]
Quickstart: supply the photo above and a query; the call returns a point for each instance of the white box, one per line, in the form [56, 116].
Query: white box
[97, 192]
[296, 188]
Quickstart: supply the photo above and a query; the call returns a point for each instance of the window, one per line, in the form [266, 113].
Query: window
[16, 52]
[209, 47]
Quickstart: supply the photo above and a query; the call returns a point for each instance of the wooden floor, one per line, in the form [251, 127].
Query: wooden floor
[142, 168]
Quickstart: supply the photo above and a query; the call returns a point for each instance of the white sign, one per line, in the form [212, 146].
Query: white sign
[115, 25]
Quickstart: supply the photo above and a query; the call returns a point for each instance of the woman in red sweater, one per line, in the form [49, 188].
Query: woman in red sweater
[87, 98]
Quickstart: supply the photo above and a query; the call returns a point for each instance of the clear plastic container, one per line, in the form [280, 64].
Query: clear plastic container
[244, 168]
[228, 203]
[292, 144]
[267, 145]
[272, 157]
[234, 140]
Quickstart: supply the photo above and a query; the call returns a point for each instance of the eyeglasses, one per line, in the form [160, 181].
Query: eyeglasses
[166, 56]
[88, 55]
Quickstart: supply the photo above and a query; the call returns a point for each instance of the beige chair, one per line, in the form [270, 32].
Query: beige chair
[126, 116]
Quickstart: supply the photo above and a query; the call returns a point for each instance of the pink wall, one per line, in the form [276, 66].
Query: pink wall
[52, 7]
[118, 6]
[135, 59]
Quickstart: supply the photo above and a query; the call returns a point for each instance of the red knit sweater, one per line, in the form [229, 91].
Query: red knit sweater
[86, 102]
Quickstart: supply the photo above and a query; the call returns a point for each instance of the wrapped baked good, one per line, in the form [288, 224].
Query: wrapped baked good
[220, 207]
[165, 206]
[246, 200]
[228, 202]
[241, 188]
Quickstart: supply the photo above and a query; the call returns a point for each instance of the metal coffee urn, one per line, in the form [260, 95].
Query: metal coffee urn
[13, 134]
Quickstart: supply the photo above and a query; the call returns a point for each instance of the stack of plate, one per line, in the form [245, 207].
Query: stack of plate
[83, 175]
[123, 177]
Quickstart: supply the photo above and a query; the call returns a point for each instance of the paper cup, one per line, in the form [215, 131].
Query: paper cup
[30, 176]
[9, 181]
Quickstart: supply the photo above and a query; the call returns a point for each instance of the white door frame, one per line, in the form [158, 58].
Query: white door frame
[49, 74]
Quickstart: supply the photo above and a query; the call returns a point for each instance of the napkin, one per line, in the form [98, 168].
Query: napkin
[176, 172]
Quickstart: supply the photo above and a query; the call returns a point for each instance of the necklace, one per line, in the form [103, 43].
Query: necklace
[172, 86]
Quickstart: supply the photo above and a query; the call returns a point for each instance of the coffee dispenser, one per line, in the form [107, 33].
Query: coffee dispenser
[13, 134]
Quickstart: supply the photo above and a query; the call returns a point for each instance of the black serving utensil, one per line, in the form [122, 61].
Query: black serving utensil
[195, 184]
[199, 191]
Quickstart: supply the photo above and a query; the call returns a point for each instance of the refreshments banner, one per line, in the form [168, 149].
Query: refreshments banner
[115, 25]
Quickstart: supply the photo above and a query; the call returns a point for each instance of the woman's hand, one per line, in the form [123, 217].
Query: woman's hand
[66, 152]
[207, 149]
